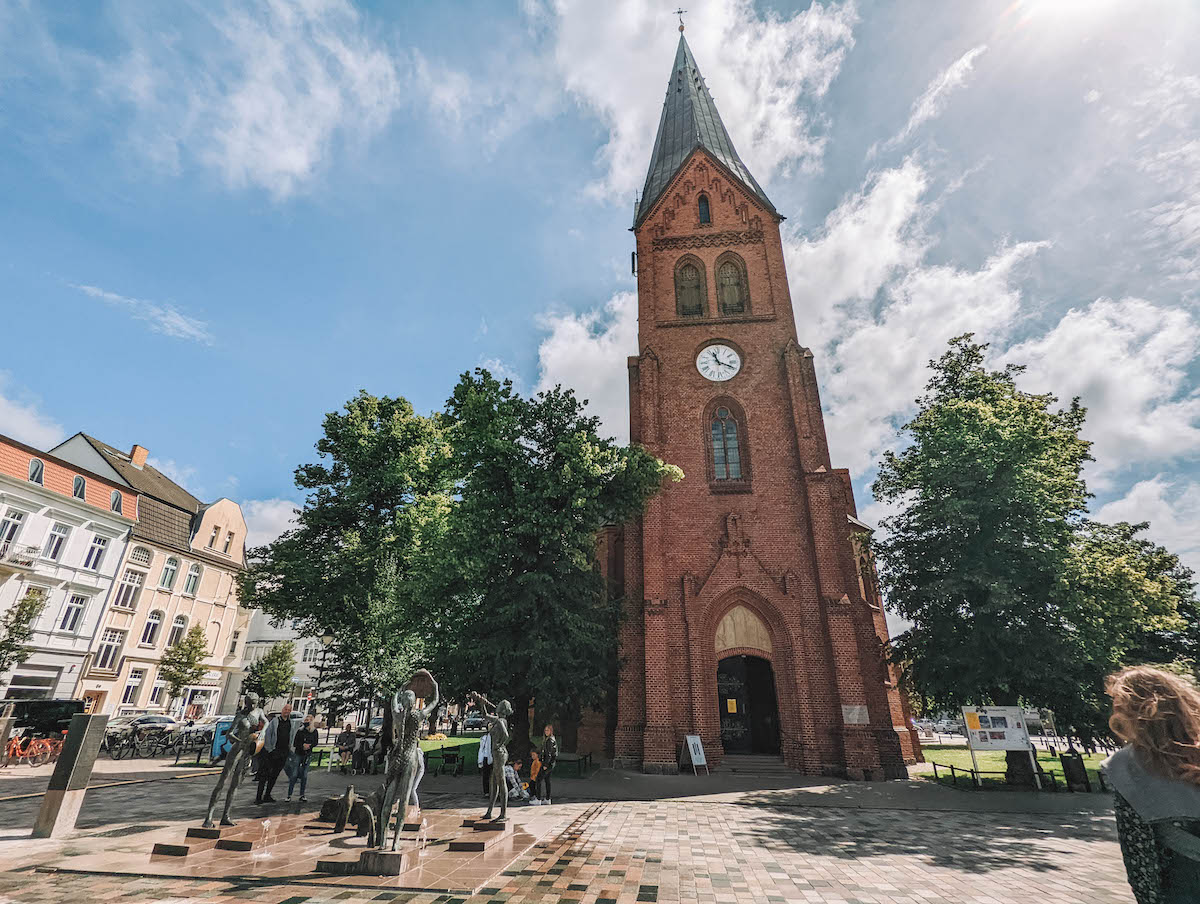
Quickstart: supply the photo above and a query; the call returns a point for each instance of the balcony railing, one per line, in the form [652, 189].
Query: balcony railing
[17, 557]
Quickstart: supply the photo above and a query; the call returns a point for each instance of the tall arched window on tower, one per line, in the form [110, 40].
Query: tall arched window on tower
[732, 296]
[690, 291]
[726, 445]
[705, 213]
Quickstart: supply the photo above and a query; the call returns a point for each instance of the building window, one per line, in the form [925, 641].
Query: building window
[228, 542]
[177, 628]
[310, 654]
[110, 648]
[192, 582]
[167, 580]
[214, 629]
[114, 501]
[690, 291]
[133, 685]
[79, 487]
[129, 589]
[732, 296]
[72, 613]
[37, 471]
[150, 632]
[11, 525]
[727, 453]
[140, 556]
[55, 540]
[212, 541]
[156, 693]
[233, 642]
[705, 214]
[95, 554]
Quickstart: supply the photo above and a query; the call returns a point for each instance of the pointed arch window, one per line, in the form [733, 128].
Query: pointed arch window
[727, 441]
[732, 294]
[37, 471]
[79, 487]
[690, 290]
[703, 209]
[114, 501]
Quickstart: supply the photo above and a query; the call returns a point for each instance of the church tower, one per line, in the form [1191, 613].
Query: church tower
[753, 619]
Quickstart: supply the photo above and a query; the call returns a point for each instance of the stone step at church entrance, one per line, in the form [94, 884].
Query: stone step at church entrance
[754, 764]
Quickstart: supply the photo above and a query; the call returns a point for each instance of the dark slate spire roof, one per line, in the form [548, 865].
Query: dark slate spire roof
[689, 120]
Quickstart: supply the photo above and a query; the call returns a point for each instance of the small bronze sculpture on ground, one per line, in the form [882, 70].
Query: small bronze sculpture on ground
[405, 761]
[497, 719]
[243, 740]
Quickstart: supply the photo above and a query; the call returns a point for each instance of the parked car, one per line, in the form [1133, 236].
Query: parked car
[474, 722]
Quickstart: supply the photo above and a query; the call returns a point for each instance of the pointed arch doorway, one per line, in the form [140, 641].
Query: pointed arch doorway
[747, 705]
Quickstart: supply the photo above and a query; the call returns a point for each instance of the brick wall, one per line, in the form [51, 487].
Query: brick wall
[59, 477]
[779, 543]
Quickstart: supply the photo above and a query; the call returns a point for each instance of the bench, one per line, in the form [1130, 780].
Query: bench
[579, 763]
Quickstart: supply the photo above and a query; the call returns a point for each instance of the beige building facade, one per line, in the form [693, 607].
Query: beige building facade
[179, 569]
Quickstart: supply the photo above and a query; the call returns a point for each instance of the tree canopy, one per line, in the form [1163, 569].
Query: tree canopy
[1013, 594]
[16, 628]
[271, 676]
[183, 664]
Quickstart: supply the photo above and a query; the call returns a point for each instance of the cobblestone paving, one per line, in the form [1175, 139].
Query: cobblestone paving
[728, 853]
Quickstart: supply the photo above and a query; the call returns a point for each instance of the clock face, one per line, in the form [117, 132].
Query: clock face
[718, 363]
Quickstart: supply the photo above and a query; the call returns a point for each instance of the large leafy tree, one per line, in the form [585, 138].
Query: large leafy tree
[363, 559]
[1014, 596]
[532, 619]
[991, 489]
[1129, 601]
[271, 676]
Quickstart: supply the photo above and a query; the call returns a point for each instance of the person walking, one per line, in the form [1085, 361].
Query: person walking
[485, 762]
[549, 757]
[302, 748]
[1156, 783]
[277, 744]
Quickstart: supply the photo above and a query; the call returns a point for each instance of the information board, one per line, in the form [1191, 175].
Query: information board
[996, 727]
[693, 753]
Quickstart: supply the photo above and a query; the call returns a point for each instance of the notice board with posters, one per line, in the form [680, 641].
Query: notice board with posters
[996, 727]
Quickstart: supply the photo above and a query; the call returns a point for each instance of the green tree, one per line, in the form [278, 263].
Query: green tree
[16, 628]
[976, 558]
[1129, 602]
[271, 676]
[532, 619]
[365, 554]
[183, 664]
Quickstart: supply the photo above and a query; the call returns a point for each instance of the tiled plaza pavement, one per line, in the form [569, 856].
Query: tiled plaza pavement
[724, 851]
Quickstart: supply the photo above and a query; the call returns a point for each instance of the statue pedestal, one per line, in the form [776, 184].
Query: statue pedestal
[484, 832]
[384, 863]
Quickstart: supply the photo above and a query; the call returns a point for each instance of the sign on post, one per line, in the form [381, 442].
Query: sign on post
[998, 728]
[693, 753]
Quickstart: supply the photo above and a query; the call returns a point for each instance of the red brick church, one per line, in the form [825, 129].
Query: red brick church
[752, 618]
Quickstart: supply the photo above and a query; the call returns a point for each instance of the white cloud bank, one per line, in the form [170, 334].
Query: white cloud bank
[1172, 506]
[24, 421]
[267, 519]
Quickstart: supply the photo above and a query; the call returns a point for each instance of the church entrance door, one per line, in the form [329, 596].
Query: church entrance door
[747, 705]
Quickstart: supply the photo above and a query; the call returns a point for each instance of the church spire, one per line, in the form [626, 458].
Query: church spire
[689, 121]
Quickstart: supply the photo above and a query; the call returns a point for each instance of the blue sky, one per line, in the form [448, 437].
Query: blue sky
[221, 220]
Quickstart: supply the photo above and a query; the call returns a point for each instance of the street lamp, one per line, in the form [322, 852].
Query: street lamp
[326, 640]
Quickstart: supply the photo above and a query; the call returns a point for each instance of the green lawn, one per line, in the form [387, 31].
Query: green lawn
[993, 761]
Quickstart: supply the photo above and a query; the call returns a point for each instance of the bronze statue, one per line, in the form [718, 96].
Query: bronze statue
[497, 719]
[405, 763]
[243, 740]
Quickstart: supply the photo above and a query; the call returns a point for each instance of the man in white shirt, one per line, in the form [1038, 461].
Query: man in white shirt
[485, 762]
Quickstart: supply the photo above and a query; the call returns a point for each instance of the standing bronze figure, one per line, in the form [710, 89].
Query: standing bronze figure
[404, 763]
[497, 719]
[243, 740]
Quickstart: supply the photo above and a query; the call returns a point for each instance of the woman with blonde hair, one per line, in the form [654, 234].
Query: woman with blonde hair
[1156, 780]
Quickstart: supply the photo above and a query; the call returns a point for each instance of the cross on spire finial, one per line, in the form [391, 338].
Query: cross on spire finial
[679, 12]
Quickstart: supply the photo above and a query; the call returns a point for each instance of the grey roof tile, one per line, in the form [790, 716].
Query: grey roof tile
[690, 120]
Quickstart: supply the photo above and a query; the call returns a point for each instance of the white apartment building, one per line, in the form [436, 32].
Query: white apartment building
[264, 633]
[63, 530]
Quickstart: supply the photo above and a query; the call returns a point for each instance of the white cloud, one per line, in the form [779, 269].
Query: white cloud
[163, 318]
[262, 95]
[1173, 509]
[266, 519]
[180, 473]
[501, 370]
[1127, 360]
[22, 420]
[587, 353]
[765, 73]
[933, 100]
